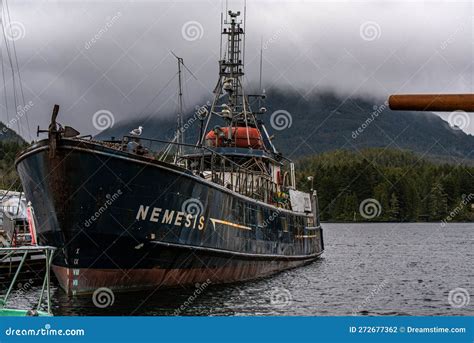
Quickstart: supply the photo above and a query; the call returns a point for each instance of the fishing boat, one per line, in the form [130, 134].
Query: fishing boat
[16, 219]
[18, 230]
[45, 294]
[127, 217]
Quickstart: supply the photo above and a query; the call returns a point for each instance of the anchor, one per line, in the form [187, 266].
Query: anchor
[55, 131]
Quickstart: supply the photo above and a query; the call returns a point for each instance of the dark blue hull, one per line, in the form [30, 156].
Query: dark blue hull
[128, 222]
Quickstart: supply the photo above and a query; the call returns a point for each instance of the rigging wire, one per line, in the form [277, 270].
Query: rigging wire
[154, 98]
[182, 99]
[4, 85]
[160, 92]
[15, 100]
[184, 65]
[19, 74]
[180, 137]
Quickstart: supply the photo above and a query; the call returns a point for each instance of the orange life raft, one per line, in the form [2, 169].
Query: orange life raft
[242, 137]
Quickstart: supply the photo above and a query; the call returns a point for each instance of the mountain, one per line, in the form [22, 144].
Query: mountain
[8, 135]
[322, 122]
[10, 145]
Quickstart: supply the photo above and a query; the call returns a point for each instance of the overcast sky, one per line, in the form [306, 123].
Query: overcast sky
[91, 56]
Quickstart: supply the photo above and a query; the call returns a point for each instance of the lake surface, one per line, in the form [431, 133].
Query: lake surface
[367, 269]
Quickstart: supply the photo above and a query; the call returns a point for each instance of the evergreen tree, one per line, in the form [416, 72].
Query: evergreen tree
[394, 210]
[407, 187]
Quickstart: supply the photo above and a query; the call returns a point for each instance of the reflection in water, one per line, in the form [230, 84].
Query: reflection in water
[367, 269]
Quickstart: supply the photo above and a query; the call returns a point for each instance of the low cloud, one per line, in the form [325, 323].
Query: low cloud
[89, 56]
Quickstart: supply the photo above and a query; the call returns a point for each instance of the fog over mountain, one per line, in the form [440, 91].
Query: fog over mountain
[89, 56]
[309, 129]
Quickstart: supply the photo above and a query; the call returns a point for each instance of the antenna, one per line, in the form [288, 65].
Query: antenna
[184, 65]
[220, 45]
[261, 62]
[179, 132]
[245, 29]
[226, 9]
[260, 80]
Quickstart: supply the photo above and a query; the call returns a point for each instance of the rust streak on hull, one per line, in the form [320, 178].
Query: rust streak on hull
[88, 280]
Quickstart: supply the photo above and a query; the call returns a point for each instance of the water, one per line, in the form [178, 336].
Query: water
[367, 269]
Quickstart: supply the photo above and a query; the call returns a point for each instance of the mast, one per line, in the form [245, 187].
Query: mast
[260, 72]
[232, 68]
[179, 127]
[235, 111]
[180, 132]
[179, 135]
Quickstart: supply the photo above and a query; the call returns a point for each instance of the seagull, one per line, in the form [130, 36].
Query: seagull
[137, 132]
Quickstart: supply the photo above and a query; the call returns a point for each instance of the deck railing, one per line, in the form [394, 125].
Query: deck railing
[212, 165]
[8, 253]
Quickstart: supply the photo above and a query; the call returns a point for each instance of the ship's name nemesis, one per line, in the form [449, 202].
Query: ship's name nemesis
[171, 217]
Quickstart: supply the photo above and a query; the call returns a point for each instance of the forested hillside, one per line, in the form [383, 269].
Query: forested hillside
[10, 145]
[406, 187]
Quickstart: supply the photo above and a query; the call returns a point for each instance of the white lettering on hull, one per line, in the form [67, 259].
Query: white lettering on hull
[170, 217]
